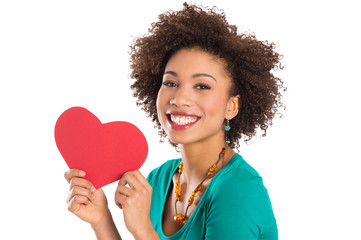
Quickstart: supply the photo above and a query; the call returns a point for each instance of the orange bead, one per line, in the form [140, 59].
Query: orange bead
[190, 201]
[222, 154]
[181, 167]
[180, 219]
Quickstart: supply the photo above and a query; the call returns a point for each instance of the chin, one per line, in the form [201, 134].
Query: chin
[181, 139]
[185, 140]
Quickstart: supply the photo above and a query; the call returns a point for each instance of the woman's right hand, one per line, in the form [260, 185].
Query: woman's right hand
[84, 200]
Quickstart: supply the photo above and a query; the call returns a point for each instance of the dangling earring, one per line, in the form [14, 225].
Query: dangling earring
[227, 128]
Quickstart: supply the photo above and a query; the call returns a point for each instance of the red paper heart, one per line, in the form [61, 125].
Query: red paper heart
[103, 151]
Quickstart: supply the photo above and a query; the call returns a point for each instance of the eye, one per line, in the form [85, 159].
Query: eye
[203, 86]
[170, 84]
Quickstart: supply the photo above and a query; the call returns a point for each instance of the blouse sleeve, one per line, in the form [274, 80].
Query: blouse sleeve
[240, 208]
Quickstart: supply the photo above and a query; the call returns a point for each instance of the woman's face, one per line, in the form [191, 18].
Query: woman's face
[193, 99]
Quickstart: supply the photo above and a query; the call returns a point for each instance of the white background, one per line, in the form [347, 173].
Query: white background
[59, 54]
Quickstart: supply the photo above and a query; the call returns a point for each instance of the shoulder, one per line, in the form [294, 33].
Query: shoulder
[239, 177]
[240, 184]
[238, 195]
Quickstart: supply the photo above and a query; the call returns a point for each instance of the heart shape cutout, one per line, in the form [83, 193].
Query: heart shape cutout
[104, 151]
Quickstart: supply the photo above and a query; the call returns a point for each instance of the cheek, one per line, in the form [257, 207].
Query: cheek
[214, 106]
[158, 103]
[161, 103]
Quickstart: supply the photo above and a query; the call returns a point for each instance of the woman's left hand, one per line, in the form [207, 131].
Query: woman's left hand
[135, 200]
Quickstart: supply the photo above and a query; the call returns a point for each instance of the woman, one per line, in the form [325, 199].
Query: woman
[205, 87]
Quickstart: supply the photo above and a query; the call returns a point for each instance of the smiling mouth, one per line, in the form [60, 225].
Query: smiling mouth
[181, 121]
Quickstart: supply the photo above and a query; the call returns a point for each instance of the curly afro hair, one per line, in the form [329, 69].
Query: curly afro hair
[249, 63]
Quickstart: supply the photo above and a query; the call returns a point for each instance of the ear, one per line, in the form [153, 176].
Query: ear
[233, 106]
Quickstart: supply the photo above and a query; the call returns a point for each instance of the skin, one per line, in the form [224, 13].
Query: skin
[206, 96]
[90, 205]
[196, 83]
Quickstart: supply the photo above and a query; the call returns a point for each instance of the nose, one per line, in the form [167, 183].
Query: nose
[182, 97]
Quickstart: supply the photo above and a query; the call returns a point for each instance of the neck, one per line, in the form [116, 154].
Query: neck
[200, 156]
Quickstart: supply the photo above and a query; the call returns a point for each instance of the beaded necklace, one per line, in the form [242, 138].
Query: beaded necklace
[180, 218]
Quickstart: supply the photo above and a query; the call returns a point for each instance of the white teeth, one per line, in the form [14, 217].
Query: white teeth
[182, 120]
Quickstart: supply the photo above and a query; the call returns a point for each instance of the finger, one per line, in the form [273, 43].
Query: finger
[140, 178]
[120, 200]
[79, 192]
[80, 182]
[131, 179]
[73, 173]
[127, 178]
[124, 190]
[76, 202]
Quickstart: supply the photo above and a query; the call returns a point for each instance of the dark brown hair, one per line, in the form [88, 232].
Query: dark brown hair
[249, 63]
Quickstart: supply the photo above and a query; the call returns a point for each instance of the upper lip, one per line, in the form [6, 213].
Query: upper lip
[182, 114]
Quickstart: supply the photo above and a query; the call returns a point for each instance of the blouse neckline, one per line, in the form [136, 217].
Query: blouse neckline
[201, 202]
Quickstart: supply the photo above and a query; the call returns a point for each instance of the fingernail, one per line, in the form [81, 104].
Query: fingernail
[82, 173]
[92, 196]
[93, 189]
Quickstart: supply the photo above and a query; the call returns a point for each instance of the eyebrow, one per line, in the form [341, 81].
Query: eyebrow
[194, 75]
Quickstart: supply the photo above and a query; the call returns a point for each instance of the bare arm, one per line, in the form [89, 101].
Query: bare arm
[106, 229]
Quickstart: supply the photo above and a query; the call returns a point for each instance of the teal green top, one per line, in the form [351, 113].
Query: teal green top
[235, 205]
